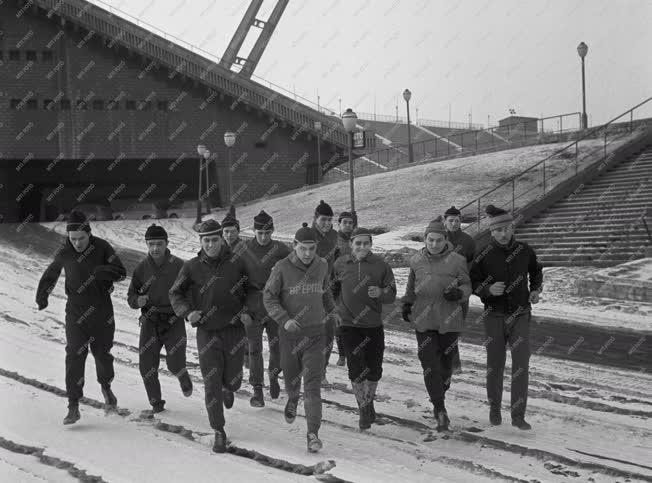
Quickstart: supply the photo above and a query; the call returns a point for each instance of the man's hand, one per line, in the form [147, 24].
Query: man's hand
[42, 304]
[246, 320]
[497, 289]
[142, 300]
[292, 326]
[194, 317]
[407, 310]
[453, 294]
[337, 318]
[534, 297]
[374, 292]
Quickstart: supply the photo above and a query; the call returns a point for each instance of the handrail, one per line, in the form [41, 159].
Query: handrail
[588, 134]
[191, 63]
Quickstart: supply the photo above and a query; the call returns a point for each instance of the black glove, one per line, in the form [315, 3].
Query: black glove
[407, 310]
[42, 304]
[453, 294]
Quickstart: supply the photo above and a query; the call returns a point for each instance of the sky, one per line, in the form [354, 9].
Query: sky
[467, 59]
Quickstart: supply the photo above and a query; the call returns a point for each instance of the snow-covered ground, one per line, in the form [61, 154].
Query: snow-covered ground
[573, 406]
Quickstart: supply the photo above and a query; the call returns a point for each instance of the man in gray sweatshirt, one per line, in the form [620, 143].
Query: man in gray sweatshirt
[298, 297]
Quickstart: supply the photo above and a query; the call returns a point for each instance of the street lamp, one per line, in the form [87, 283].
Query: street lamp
[407, 95]
[229, 140]
[349, 121]
[318, 129]
[582, 49]
[204, 154]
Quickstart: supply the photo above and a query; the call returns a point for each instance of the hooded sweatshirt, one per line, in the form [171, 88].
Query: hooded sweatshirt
[215, 285]
[353, 278]
[155, 281]
[429, 276]
[300, 292]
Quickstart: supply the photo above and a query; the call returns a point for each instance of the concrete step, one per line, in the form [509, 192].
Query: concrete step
[602, 229]
[626, 204]
[572, 237]
[599, 210]
[608, 218]
[604, 182]
[583, 197]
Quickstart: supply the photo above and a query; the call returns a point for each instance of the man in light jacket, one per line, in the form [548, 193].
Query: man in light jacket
[437, 287]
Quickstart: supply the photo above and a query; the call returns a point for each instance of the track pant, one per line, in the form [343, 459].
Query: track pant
[457, 363]
[303, 357]
[364, 348]
[435, 353]
[156, 333]
[255, 337]
[329, 340]
[221, 354]
[87, 326]
[503, 329]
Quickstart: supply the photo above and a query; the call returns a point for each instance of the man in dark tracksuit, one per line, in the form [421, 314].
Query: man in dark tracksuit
[159, 326]
[261, 255]
[299, 297]
[328, 250]
[499, 275]
[91, 267]
[363, 283]
[347, 222]
[464, 244]
[210, 293]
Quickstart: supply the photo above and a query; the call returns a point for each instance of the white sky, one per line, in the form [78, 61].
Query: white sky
[483, 56]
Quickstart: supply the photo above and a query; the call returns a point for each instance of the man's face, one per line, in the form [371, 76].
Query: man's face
[347, 225]
[156, 248]
[212, 244]
[231, 234]
[503, 234]
[79, 240]
[305, 251]
[324, 223]
[263, 237]
[452, 223]
[435, 242]
[361, 246]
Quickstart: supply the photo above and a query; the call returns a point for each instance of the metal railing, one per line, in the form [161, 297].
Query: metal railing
[194, 62]
[536, 181]
[367, 116]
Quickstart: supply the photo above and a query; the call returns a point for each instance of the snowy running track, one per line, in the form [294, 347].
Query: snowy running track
[590, 422]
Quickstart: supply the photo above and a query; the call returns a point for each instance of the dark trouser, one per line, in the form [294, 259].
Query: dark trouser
[500, 330]
[364, 348]
[457, 363]
[156, 333]
[256, 363]
[435, 352]
[329, 339]
[221, 354]
[303, 357]
[88, 325]
[340, 343]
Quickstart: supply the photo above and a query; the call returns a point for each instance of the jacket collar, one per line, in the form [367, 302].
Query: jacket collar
[344, 236]
[369, 258]
[224, 254]
[294, 259]
[166, 259]
[510, 245]
[438, 256]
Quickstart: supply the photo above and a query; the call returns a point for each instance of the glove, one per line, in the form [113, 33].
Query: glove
[246, 319]
[453, 294]
[292, 326]
[407, 310]
[194, 318]
[42, 304]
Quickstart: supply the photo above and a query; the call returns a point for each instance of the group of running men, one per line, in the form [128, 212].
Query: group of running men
[328, 286]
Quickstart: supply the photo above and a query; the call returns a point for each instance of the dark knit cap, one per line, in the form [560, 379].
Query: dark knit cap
[323, 209]
[209, 227]
[359, 231]
[435, 227]
[77, 221]
[498, 217]
[452, 211]
[305, 234]
[230, 219]
[346, 214]
[156, 232]
[262, 221]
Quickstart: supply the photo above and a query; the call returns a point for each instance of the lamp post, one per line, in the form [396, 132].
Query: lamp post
[229, 140]
[407, 95]
[349, 121]
[204, 154]
[582, 49]
[318, 129]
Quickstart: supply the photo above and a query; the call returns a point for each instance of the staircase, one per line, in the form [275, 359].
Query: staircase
[600, 223]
